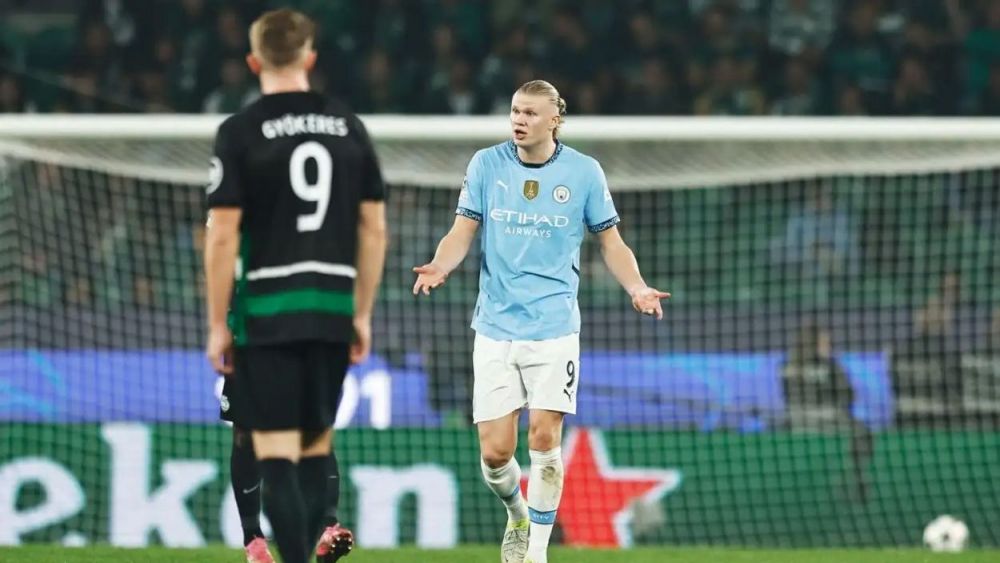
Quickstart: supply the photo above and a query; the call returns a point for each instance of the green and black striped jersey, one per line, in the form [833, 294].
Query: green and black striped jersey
[299, 165]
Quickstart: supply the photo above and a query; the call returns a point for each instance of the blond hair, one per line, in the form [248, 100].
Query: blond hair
[280, 37]
[544, 88]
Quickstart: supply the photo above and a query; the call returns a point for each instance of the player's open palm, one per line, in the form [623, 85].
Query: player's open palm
[429, 276]
[647, 301]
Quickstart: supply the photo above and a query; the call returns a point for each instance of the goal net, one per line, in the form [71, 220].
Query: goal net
[827, 372]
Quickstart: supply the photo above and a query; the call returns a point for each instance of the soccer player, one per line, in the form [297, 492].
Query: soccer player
[533, 196]
[297, 225]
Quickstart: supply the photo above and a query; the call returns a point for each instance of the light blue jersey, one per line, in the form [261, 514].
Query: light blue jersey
[533, 221]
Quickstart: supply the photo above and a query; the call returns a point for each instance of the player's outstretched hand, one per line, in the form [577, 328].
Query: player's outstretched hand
[429, 276]
[220, 349]
[647, 301]
[362, 343]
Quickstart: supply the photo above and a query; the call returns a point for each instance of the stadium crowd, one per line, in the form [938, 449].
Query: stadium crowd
[836, 245]
[704, 57]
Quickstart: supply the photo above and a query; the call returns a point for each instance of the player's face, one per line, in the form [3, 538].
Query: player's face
[532, 119]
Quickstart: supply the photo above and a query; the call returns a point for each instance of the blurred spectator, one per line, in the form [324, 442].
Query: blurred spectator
[820, 239]
[469, 20]
[82, 94]
[936, 51]
[189, 22]
[380, 90]
[851, 101]
[936, 319]
[397, 26]
[988, 103]
[800, 92]
[230, 39]
[153, 90]
[522, 71]
[815, 386]
[718, 40]
[156, 83]
[38, 283]
[912, 92]
[444, 51]
[455, 93]
[572, 56]
[747, 15]
[801, 28]
[927, 367]
[982, 47]
[95, 71]
[819, 397]
[860, 56]
[120, 16]
[654, 92]
[585, 100]
[12, 98]
[645, 42]
[129, 23]
[728, 93]
[496, 74]
[236, 91]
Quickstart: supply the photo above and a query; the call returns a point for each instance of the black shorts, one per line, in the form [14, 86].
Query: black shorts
[285, 387]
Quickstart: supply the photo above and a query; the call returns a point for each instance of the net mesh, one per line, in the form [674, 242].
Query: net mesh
[827, 374]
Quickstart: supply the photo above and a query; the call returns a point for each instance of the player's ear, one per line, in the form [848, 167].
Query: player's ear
[310, 60]
[254, 63]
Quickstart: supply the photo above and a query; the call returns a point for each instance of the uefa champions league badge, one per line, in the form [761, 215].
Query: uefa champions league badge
[560, 194]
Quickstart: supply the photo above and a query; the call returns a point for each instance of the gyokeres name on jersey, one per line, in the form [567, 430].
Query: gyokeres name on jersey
[309, 123]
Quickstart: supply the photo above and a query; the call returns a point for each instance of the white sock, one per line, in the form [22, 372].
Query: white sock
[505, 482]
[545, 486]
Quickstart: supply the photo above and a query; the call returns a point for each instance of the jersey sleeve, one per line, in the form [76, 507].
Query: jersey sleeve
[373, 187]
[224, 186]
[599, 212]
[470, 200]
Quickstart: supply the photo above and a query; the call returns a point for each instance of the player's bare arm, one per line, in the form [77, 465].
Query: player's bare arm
[222, 241]
[371, 259]
[450, 252]
[622, 264]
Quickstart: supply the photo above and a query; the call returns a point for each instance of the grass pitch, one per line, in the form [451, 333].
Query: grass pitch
[490, 554]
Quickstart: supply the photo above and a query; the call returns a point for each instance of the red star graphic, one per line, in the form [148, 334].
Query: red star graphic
[596, 505]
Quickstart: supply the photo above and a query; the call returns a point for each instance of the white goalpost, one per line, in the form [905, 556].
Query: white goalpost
[827, 373]
[637, 152]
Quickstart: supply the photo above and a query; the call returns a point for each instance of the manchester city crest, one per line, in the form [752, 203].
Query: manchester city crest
[530, 189]
[560, 194]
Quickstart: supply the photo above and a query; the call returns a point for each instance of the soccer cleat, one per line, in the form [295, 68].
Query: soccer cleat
[336, 542]
[515, 541]
[257, 552]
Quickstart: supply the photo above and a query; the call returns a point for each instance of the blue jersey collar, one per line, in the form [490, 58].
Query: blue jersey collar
[555, 154]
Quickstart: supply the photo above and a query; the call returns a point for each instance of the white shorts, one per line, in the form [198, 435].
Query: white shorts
[510, 375]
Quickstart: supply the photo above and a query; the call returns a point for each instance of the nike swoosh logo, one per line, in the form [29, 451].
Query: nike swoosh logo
[253, 488]
[502, 185]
